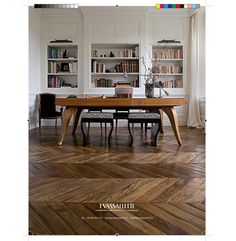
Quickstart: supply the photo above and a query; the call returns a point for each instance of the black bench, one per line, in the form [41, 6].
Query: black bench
[95, 117]
[145, 118]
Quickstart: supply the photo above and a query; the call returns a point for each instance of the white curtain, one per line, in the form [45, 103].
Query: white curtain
[197, 68]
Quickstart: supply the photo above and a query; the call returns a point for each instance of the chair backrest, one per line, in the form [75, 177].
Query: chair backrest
[94, 97]
[47, 104]
[124, 91]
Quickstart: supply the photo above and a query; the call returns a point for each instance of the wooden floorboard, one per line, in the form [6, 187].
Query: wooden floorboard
[67, 183]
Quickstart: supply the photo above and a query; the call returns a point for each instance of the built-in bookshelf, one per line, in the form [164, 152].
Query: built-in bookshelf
[62, 66]
[167, 62]
[112, 63]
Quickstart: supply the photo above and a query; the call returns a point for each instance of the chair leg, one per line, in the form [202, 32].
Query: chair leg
[116, 124]
[110, 133]
[88, 127]
[154, 132]
[83, 128]
[56, 122]
[130, 133]
[101, 128]
[146, 127]
[39, 122]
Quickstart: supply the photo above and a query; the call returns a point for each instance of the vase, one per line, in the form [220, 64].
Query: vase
[149, 90]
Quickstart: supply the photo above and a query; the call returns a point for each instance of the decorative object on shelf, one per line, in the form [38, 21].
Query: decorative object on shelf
[111, 54]
[167, 41]
[65, 67]
[61, 41]
[65, 54]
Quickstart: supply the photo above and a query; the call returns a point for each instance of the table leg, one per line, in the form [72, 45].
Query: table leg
[161, 121]
[76, 120]
[67, 114]
[172, 115]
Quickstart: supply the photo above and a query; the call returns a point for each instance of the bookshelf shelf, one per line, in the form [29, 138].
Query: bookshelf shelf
[63, 59]
[170, 74]
[111, 63]
[114, 58]
[168, 62]
[63, 74]
[62, 66]
[114, 74]
[167, 59]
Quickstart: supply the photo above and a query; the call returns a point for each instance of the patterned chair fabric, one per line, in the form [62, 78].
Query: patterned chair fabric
[145, 118]
[95, 117]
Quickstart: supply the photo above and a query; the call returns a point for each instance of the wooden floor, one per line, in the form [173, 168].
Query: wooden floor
[166, 184]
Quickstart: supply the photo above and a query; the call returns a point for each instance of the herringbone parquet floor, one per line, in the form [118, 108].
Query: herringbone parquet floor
[165, 183]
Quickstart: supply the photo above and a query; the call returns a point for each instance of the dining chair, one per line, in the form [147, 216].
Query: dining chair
[47, 108]
[96, 109]
[146, 118]
[122, 91]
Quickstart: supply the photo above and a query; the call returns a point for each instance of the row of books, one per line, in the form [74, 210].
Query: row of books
[98, 67]
[168, 53]
[55, 67]
[121, 53]
[172, 84]
[55, 53]
[55, 82]
[125, 83]
[124, 66]
[127, 66]
[168, 69]
[135, 83]
[103, 82]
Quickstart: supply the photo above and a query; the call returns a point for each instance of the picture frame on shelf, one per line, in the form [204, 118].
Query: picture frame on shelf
[65, 67]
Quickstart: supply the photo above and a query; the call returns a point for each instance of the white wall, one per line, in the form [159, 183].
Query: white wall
[111, 25]
[173, 26]
[34, 65]
[61, 24]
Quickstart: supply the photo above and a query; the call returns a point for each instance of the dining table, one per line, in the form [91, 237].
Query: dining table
[74, 106]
